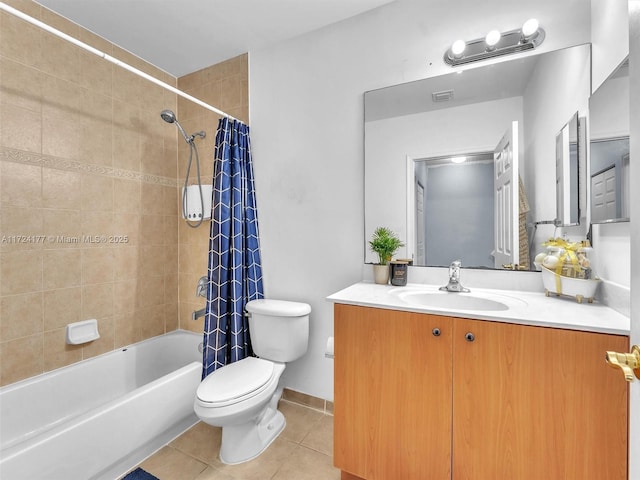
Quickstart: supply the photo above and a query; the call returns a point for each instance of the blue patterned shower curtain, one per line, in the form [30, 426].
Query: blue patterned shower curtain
[234, 271]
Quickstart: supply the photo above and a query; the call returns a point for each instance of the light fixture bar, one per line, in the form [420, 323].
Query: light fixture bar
[512, 41]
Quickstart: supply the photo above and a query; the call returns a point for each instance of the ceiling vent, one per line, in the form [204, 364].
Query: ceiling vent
[443, 96]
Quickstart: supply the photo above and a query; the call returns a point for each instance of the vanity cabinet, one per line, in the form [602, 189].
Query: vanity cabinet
[393, 388]
[420, 396]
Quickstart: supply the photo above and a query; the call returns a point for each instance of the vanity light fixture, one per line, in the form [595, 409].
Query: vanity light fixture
[530, 28]
[492, 39]
[458, 47]
[495, 44]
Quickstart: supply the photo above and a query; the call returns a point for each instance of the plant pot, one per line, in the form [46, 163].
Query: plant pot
[381, 274]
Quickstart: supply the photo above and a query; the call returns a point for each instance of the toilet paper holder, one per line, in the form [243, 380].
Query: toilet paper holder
[328, 353]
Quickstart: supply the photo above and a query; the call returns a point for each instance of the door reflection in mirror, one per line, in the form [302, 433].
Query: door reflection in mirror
[610, 160]
[610, 180]
[454, 210]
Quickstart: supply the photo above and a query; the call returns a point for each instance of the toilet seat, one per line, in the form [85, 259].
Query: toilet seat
[235, 382]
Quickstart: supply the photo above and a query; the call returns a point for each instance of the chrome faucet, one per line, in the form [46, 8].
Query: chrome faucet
[201, 291]
[454, 279]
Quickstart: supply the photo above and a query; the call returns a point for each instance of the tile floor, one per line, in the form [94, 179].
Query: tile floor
[303, 451]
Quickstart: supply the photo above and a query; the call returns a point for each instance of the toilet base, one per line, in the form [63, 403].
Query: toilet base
[241, 443]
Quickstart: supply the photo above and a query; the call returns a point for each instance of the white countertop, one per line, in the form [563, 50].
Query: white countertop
[525, 308]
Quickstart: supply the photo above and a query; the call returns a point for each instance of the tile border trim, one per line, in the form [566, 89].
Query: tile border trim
[306, 400]
[49, 161]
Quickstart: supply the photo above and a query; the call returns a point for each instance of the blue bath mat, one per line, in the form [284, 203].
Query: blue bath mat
[139, 474]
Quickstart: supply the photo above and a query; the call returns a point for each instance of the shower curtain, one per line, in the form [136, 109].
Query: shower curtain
[234, 271]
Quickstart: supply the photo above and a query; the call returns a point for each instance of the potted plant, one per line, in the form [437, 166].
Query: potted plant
[385, 243]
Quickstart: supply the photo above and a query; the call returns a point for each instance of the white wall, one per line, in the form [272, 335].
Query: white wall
[609, 110]
[610, 42]
[306, 106]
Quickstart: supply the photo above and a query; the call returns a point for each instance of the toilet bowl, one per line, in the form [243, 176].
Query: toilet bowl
[242, 397]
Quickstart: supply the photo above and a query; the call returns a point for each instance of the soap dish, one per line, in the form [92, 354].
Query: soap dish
[82, 332]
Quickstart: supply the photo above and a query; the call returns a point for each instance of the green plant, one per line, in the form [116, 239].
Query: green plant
[385, 243]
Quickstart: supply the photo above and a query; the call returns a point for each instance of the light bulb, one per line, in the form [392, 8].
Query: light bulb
[492, 38]
[458, 159]
[530, 27]
[458, 47]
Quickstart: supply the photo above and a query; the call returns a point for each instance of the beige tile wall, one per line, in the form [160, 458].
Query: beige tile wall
[225, 86]
[83, 152]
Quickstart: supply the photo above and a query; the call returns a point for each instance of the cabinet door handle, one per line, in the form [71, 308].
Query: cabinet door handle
[436, 332]
[469, 337]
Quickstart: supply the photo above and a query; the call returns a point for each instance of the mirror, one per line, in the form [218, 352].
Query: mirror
[468, 113]
[567, 179]
[609, 148]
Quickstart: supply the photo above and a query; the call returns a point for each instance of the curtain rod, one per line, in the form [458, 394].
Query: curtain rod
[115, 61]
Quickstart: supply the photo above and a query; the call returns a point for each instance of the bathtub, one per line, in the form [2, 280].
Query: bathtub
[99, 418]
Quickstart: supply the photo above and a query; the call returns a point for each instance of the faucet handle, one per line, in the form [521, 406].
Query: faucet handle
[201, 289]
[454, 270]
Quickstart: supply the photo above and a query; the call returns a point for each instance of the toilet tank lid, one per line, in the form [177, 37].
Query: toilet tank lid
[281, 308]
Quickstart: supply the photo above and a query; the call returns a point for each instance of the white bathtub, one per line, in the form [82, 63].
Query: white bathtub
[100, 417]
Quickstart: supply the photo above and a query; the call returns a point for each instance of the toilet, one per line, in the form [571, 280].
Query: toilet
[242, 397]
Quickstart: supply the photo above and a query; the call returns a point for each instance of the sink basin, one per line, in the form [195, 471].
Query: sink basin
[459, 301]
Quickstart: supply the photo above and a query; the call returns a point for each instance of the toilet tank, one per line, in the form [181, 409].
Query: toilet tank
[279, 329]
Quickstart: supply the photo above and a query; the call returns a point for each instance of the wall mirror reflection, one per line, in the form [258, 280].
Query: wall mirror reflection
[568, 149]
[609, 143]
[501, 116]
[453, 204]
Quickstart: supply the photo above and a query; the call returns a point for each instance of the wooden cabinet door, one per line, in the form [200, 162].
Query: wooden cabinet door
[392, 411]
[532, 403]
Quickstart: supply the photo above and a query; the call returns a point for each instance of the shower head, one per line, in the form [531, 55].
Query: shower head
[170, 117]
